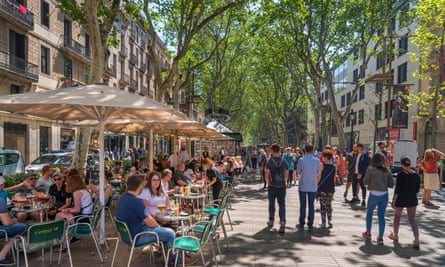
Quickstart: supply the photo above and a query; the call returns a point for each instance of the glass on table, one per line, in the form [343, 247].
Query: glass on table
[161, 208]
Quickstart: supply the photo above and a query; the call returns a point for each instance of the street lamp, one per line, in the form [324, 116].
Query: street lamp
[351, 121]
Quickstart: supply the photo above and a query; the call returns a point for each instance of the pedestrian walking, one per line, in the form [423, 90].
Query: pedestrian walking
[378, 179]
[309, 169]
[350, 160]
[360, 165]
[326, 188]
[430, 175]
[405, 196]
[289, 157]
[276, 175]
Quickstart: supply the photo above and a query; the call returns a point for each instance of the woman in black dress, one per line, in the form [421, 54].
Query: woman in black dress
[405, 196]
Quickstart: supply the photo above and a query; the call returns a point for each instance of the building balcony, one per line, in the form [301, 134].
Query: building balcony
[110, 70]
[144, 90]
[123, 51]
[143, 67]
[18, 68]
[125, 79]
[17, 15]
[133, 34]
[133, 59]
[134, 84]
[76, 49]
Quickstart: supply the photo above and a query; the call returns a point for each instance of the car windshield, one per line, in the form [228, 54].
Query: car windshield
[65, 160]
[8, 158]
[44, 159]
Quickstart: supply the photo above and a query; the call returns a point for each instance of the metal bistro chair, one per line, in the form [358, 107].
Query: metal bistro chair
[85, 226]
[218, 209]
[192, 244]
[40, 236]
[125, 236]
[199, 228]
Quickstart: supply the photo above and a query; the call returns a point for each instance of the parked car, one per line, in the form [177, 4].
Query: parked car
[60, 160]
[11, 162]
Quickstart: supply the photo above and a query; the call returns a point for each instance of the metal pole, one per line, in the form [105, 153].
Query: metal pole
[351, 118]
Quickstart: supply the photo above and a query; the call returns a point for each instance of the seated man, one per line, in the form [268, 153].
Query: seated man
[12, 227]
[179, 177]
[131, 210]
[27, 187]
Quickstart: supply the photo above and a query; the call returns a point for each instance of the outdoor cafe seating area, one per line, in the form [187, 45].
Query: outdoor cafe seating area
[198, 217]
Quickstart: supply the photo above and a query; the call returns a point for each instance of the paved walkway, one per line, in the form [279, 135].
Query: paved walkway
[253, 244]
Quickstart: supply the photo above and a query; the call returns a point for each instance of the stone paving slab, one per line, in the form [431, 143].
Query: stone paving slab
[252, 244]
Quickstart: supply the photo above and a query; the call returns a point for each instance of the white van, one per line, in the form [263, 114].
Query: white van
[403, 148]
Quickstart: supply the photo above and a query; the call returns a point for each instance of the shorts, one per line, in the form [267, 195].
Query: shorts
[431, 181]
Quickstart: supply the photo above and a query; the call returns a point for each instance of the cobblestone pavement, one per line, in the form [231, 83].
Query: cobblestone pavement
[253, 244]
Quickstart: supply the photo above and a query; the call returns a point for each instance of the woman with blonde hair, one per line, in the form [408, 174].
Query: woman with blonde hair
[430, 175]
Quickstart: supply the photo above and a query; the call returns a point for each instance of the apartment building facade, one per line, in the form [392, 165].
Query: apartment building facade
[370, 118]
[42, 48]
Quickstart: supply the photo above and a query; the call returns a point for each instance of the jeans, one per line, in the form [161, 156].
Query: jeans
[13, 230]
[166, 235]
[278, 193]
[381, 202]
[310, 201]
[355, 181]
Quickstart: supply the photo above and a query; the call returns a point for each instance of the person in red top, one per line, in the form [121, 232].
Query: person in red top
[430, 175]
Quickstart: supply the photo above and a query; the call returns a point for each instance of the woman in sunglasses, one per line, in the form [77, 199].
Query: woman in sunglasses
[61, 198]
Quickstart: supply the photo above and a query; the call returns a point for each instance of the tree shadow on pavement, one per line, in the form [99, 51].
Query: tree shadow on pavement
[407, 251]
[373, 249]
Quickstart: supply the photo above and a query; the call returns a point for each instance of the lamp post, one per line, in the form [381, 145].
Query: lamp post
[351, 120]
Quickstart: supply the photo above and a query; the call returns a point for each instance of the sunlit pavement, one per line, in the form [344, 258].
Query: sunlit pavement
[253, 244]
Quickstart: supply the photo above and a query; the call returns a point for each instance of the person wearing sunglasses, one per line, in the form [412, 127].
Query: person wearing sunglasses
[27, 188]
[61, 198]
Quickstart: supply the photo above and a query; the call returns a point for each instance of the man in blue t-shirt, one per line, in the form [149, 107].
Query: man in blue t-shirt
[131, 210]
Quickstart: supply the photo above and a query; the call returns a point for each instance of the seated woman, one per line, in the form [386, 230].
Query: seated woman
[153, 196]
[62, 199]
[108, 189]
[83, 203]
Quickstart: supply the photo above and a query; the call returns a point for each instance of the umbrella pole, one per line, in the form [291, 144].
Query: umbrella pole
[101, 181]
[150, 151]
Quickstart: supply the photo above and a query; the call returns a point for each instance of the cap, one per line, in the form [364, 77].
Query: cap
[30, 174]
[57, 174]
[2, 180]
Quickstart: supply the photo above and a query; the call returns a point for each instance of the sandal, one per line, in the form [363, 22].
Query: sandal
[416, 245]
[393, 237]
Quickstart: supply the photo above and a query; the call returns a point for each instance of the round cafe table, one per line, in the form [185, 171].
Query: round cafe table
[181, 218]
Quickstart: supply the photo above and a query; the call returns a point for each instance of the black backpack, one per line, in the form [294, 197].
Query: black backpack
[277, 178]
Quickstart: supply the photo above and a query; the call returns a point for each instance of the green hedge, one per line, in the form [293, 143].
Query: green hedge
[14, 179]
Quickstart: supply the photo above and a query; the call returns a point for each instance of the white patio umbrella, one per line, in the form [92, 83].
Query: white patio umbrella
[96, 102]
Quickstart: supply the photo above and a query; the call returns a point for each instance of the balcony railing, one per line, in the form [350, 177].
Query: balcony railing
[144, 90]
[111, 70]
[76, 47]
[19, 12]
[134, 83]
[126, 79]
[133, 59]
[19, 66]
[124, 51]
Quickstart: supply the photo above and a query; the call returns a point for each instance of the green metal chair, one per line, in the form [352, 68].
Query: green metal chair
[192, 244]
[199, 227]
[85, 226]
[40, 236]
[125, 236]
[221, 206]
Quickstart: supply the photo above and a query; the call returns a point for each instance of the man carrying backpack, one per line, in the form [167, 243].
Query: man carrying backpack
[276, 176]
